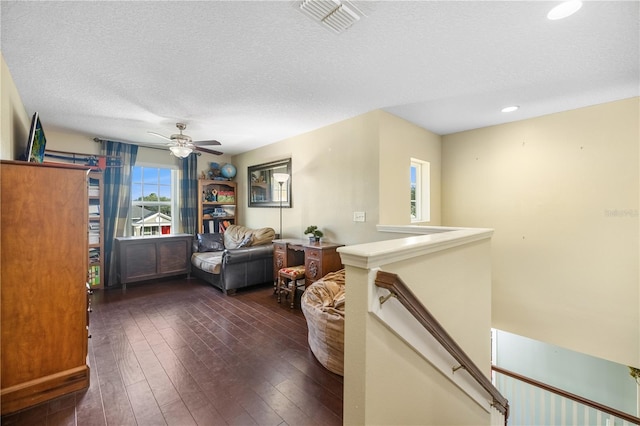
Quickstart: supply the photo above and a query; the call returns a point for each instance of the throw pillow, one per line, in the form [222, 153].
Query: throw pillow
[210, 242]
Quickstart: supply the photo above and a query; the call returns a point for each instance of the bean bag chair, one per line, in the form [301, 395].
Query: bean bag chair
[323, 307]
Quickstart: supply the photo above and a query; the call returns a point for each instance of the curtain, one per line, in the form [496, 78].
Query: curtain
[189, 195]
[117, 200]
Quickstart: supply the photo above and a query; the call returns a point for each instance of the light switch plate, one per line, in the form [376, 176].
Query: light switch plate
[358, 216]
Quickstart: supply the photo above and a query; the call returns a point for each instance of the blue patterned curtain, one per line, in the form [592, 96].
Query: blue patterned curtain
[117, 200]
[189, 194]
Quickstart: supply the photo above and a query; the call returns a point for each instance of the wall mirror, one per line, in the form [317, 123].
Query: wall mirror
[265, 188]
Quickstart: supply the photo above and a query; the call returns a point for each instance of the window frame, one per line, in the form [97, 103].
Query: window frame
[173, 203]
[265, 172]
[420, 198]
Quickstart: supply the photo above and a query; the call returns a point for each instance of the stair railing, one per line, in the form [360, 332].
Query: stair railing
[401, 292]
[570, 396]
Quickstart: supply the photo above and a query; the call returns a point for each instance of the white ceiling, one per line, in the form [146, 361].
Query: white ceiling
[252, 73]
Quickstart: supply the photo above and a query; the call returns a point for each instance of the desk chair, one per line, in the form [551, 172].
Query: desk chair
[289, 280]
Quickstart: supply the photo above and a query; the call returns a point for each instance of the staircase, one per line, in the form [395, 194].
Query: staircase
[536, 403]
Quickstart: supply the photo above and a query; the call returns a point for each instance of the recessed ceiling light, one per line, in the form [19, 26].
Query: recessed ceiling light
[510, 108]
[564, 9]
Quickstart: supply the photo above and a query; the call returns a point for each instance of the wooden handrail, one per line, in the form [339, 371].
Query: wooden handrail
[400, 290]
[605, 409]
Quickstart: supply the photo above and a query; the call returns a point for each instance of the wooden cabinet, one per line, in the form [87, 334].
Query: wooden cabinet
[96, 230]
[146, 258]
[217, 201]
[43, 217]
[318, 258]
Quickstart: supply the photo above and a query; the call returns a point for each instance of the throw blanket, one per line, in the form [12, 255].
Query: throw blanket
[237, 236]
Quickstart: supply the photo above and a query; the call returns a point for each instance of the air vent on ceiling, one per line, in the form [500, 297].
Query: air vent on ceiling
[333, 14]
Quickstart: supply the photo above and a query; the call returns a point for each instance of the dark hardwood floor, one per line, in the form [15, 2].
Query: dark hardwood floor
[179, 352]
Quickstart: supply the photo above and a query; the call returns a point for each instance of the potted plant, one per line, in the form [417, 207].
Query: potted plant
[314, 233]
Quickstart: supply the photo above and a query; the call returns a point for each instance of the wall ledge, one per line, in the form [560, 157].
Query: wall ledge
[424, 240]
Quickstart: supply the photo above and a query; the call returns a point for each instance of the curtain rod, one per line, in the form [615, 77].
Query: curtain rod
[99, 140]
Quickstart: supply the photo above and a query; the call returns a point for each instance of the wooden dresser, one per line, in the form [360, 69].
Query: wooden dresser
[44, 239]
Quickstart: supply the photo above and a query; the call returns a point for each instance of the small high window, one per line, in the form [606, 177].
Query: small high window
[420, 182]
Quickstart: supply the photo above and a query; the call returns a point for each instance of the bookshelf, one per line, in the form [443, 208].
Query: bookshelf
[95, 277]
[217, 202]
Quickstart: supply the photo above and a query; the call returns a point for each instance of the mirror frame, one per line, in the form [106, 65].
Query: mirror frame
[261, 176]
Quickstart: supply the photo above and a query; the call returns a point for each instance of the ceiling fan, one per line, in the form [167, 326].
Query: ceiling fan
[182, 145]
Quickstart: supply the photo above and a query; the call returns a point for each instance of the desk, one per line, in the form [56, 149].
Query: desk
[318, 258]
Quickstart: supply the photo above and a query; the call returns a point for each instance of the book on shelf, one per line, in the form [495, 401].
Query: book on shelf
[94, 233]
[94, 187]
[218, 212]
[94, 255]
[94, 275]
[226, 197]
[223, 225]
[217, 225]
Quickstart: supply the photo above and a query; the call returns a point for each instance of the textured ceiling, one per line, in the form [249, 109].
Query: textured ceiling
[252, 73]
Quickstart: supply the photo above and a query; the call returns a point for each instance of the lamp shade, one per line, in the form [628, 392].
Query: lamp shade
[281, 177]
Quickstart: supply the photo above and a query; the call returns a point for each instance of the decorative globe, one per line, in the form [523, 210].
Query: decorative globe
[228, 170]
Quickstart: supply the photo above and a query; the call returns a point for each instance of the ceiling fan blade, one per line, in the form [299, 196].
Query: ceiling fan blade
[210, 151]
[211, 142]
[159, 135]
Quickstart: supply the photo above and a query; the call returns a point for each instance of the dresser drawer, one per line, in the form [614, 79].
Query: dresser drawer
[312, 253]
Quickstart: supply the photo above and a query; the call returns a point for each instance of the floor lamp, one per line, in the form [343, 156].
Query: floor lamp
[281, 178]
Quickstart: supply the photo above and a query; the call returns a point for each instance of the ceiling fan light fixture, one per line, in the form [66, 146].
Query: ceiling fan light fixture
[180, 151]
[182, 145]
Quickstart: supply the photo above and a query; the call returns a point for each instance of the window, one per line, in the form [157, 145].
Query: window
[420, 182]
[153, 201]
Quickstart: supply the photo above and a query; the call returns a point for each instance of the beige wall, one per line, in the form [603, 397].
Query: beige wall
[359, 164]
[334, 173]
[399, 142]
[561, 192]
[65, 141]
[15, 121]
